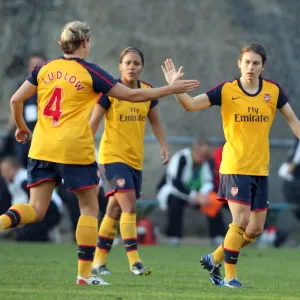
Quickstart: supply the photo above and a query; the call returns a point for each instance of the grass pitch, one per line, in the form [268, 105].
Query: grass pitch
[48, 272]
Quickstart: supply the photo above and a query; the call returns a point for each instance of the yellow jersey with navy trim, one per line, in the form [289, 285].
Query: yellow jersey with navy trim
[124, 129]
[67, 90]
[247, 120]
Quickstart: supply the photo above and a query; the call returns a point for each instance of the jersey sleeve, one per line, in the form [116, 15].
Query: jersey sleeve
[102, 81]
[215, 94]
[32, 78]
[153, 103]
[282, 98]
[104, 101]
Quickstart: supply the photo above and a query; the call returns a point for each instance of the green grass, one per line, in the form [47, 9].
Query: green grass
[48, 272]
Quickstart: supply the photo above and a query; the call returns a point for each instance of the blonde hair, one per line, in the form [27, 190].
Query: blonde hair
[72, 35]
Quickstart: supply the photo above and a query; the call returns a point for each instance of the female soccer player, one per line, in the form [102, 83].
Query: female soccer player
[248, 106]
[121, 160]
[62, 145]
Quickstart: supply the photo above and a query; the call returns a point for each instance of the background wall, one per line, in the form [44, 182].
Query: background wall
[203, 36]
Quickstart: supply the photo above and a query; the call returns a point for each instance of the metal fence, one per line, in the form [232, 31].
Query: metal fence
[186, 140]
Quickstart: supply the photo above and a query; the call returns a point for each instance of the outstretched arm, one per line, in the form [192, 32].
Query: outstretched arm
[291, 118]
[186, 101]
[122, 92]
[193, 103]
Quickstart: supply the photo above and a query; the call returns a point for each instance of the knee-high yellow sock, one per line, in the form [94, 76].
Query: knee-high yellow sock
[232, 245]
[218, 254]
[107, 233]
[247, 240]
[86, 237]
[128, 232]
[18, 214]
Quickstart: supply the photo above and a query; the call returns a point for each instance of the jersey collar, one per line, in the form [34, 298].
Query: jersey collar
[72, 58]
[260, 85]
[138, 83]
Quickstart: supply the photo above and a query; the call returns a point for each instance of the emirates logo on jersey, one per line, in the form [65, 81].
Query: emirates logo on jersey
[234, 191]
[121, 182]
[267, 97]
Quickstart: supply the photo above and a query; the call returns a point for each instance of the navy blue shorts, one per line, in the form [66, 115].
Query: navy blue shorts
[245, 189]
[120, 177]
[76, 177]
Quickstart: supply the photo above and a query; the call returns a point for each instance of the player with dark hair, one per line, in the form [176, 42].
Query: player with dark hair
[248, 106]
[121, 158]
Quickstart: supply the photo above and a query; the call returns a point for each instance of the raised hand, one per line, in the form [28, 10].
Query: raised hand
[170, 71]
[173, 78]
[23, 135]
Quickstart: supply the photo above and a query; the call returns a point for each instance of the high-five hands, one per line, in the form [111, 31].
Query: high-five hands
[173, 78]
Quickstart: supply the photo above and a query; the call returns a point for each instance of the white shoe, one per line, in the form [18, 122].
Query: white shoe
[92, 280]
[139, 269]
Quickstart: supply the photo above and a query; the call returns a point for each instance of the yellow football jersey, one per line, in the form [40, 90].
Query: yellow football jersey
[247, 120]
[67, 91]
[124, 129]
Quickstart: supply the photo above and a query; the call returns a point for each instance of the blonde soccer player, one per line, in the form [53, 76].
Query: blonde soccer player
[62, 144]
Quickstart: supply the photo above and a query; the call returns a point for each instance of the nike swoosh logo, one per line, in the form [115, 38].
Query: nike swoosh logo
[130, 245]
[234, 258]
[234, 98]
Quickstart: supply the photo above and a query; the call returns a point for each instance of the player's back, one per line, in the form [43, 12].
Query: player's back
[66, 96]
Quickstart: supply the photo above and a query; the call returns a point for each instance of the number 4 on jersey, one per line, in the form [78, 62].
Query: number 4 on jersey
[52, 108]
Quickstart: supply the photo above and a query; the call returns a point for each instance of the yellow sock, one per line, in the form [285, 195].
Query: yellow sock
[232, 245]
[247, 240]
[218, 254]
[128, 232]
[107, 233]
[18, 214]
[86, 237]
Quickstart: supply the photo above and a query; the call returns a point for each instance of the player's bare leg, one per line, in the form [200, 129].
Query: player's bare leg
[21, 214]
[256, 224]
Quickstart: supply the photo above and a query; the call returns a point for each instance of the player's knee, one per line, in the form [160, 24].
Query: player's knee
[130, 210]
[114, 212]
[91, 209]
[254, 232]
[242, 221]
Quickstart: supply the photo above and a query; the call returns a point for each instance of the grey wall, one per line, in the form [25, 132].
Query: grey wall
[203, 36]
